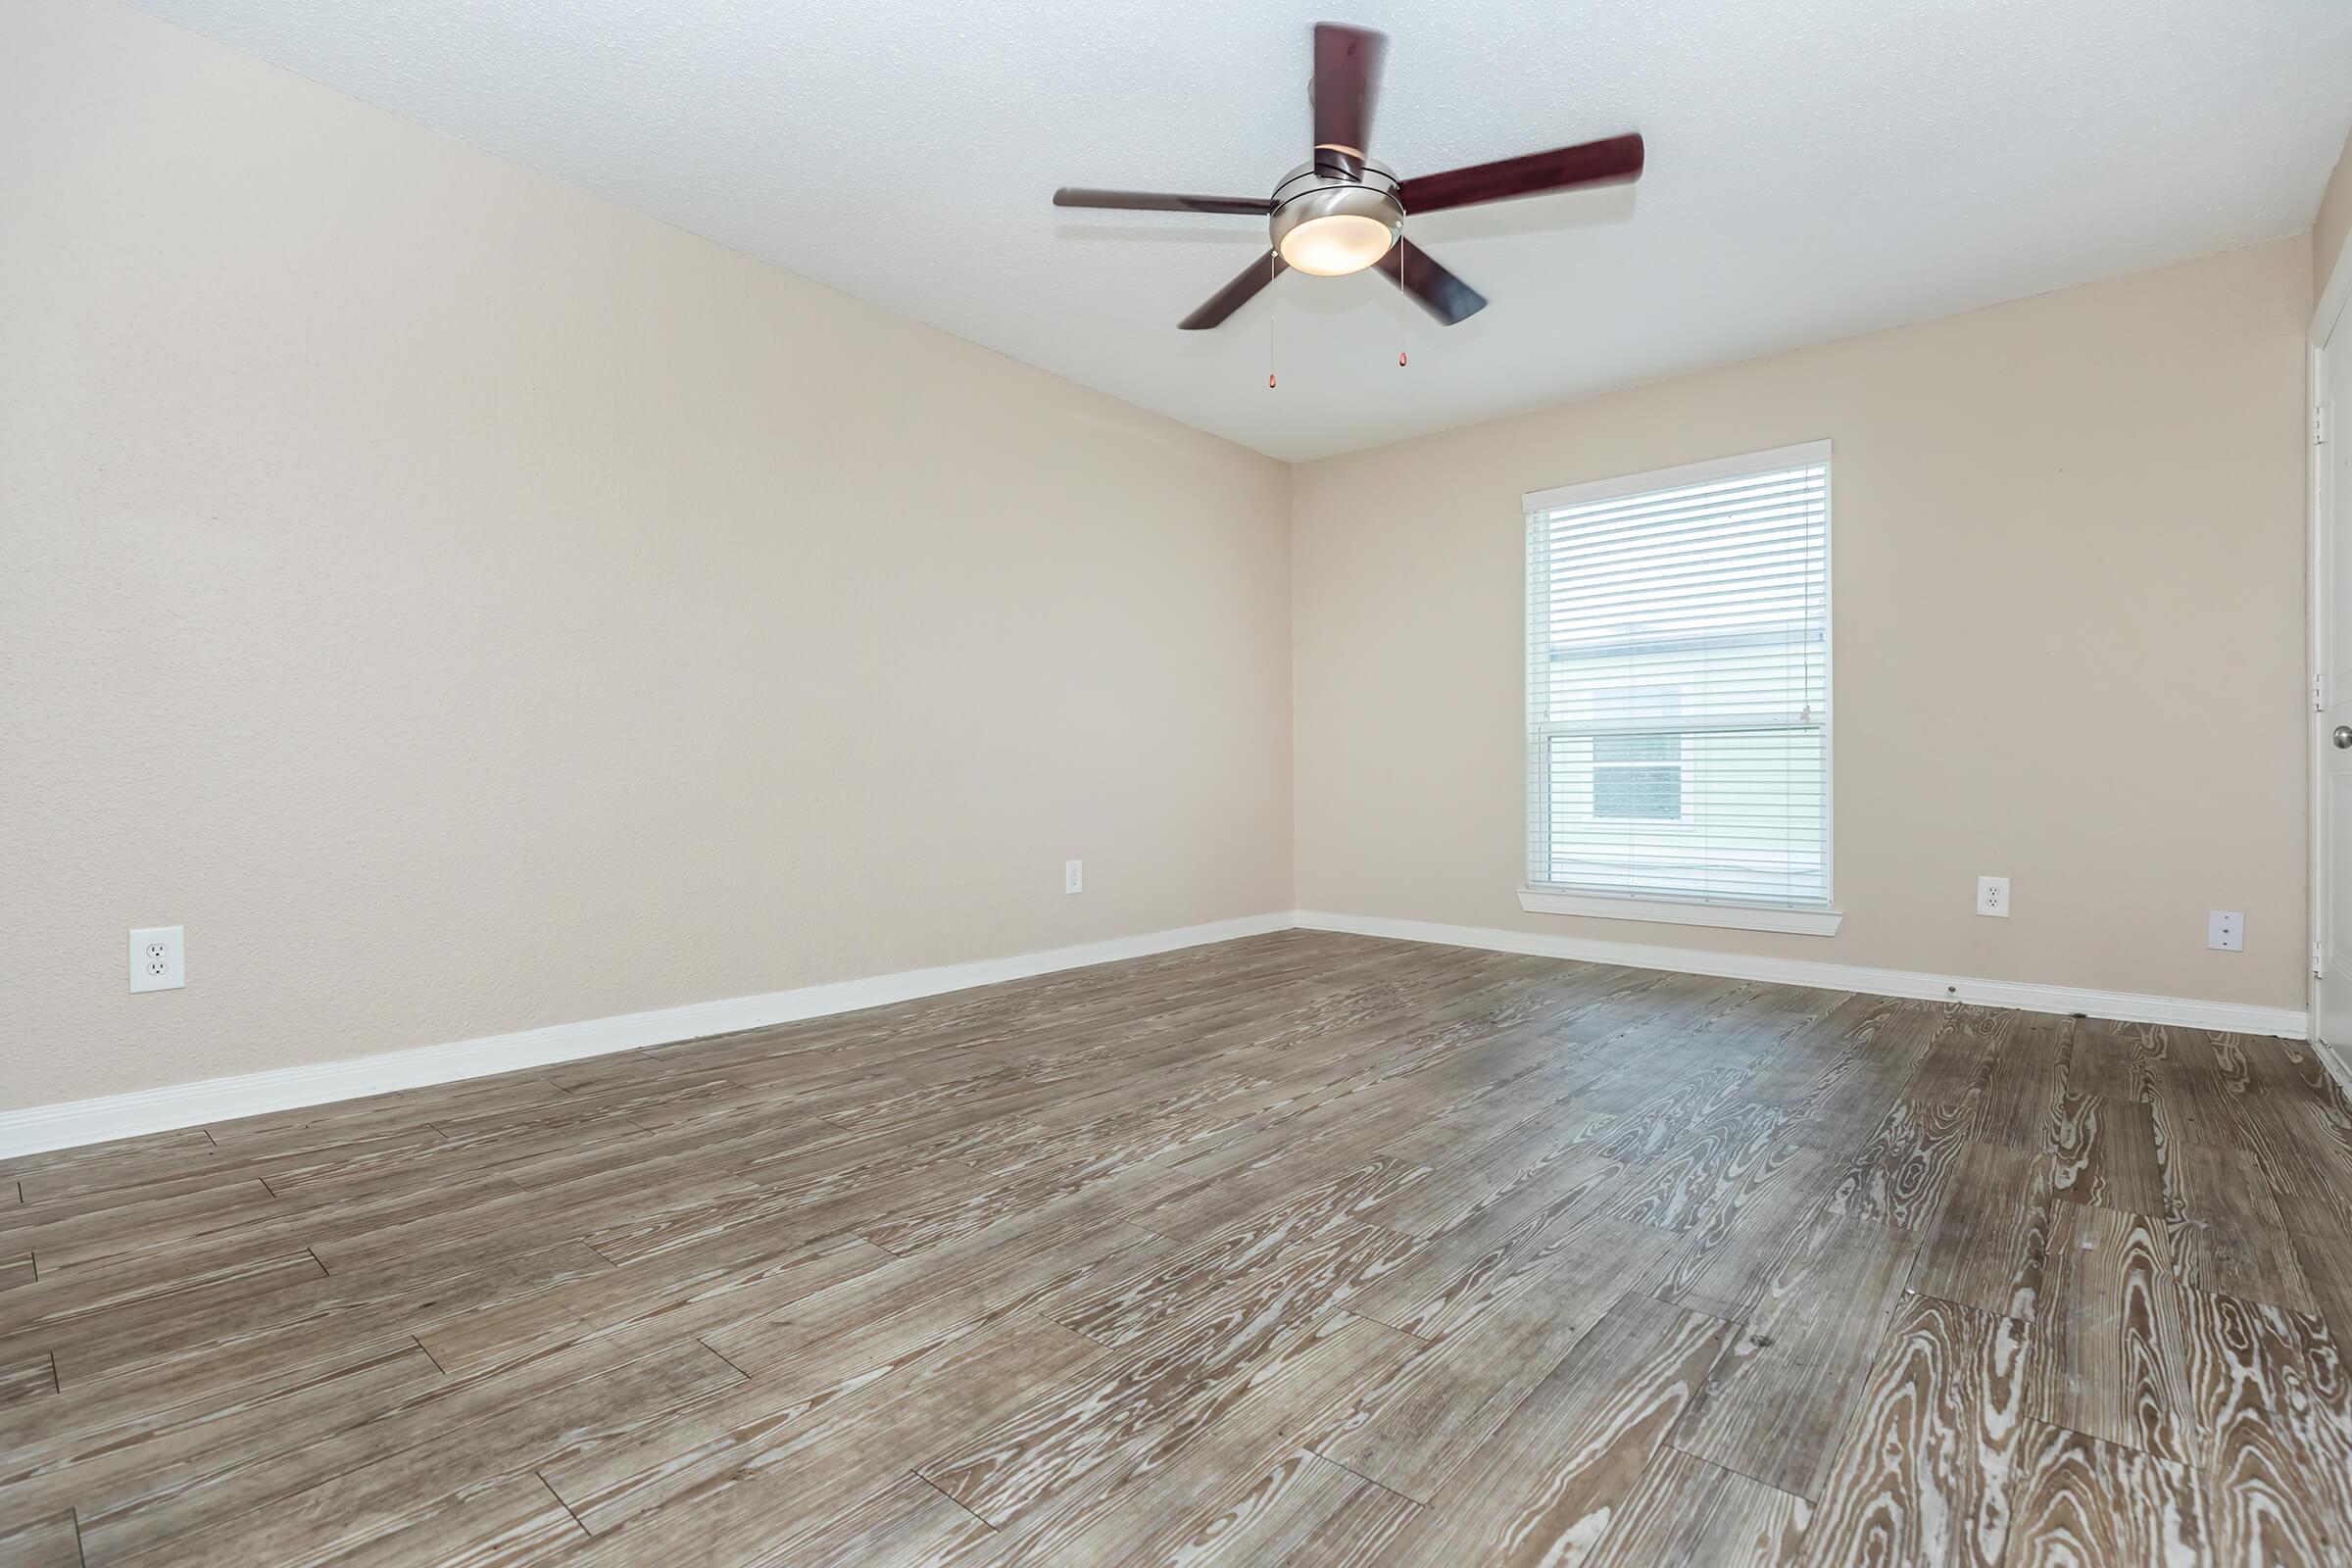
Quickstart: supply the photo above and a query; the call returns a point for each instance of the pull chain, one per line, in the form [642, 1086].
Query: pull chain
[1400, 295]
[1273, 272]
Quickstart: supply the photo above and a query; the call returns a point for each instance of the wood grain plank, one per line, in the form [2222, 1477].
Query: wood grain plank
[1456, 1188]
[77, 1241]
[305, 1325]
[909, 1521]
[2107, 1356]
[336, 1509]
[2079, 1501]
[1237, 1455]
[1449, 1281]
[1843, 1076]
[2324, 1418]
[1686, 1510]
[2027, 1082]
[1724, 1263]
[2104, 1153]
[125, 1453]
[820, 1430]
[56, 1203]
[231, 1317]
[292, 1226]
[2306, 1152]
[1727, 1155]
[742, 1277]
[123, 1161]
[1055, 1441]
[1204, 1202]
[1991, 1247]
[1125, 1314]
[2267, 1485]
[1303, 1509]
[1362, 1532]
[26, 1375]
[42, 1543]
[81, 1320]
[2180, 1080]
[1922, 1475]
[1777, 1405]
[1563, 1464]
[2326, 1266]
[1670, 1105]
[1900, 1174]
[512, 1520]
[1410, 1431]
[2104, 1060]
[277, 1462]
[2229, 1236]
[1064, 1249]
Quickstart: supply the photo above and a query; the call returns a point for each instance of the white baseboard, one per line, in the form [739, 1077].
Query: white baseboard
[155, 1111]
[194, 1105]
[2237, 1017]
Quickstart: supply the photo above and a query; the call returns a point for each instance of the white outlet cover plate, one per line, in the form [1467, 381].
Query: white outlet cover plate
[2225, 930]
[1993, 897]
[159, 958]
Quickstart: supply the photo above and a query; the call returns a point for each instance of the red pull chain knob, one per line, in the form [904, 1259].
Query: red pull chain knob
[1269, 378]
[1400, 356]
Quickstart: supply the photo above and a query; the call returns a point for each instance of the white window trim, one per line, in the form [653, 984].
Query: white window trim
[1804, 921]
[1820, 919]
[1803, 453]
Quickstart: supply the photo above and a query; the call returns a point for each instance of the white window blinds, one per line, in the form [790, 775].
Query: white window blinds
[1678, 683]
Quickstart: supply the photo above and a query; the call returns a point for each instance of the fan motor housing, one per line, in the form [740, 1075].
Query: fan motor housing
[1310, 192]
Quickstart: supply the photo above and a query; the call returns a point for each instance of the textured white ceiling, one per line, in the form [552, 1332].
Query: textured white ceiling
[1817, 168]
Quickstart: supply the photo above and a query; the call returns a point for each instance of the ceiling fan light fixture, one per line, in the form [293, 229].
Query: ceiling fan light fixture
[1332, 229]
[1336, 244]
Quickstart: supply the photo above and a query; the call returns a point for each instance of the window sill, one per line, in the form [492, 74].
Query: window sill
[1804, 922]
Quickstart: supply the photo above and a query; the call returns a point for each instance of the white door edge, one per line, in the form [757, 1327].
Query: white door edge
[2330, 339]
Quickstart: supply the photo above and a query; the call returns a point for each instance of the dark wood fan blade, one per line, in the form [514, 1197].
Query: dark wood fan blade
[1154, 201]
[1591, 162]
[1236, 294]
[1345, 83]
[1441, 293]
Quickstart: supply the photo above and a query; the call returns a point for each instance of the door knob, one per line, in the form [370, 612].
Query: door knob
[2342, 737]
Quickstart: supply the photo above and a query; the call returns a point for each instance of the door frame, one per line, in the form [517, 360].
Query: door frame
[2330, 320]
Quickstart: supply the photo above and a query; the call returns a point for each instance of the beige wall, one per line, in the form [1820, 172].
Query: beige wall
[2333, 226]
[468, 606]
[2067, 620]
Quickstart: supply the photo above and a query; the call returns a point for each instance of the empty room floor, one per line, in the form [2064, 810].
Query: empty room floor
[1299, 1249]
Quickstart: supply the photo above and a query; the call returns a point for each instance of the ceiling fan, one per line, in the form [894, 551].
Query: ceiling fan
[1342, 211]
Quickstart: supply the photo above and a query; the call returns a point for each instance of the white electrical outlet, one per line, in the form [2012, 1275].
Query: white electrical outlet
[1993, 897]
[1073, 876]
[2225, 930]
[159, 959]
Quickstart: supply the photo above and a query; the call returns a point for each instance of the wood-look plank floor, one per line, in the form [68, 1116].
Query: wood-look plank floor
[1302, 1248]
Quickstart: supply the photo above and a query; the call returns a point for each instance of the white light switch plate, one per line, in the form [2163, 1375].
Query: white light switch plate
[1073, 876]
[159, 958]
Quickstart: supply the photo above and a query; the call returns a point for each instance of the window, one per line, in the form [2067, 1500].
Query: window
[1678, 692]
